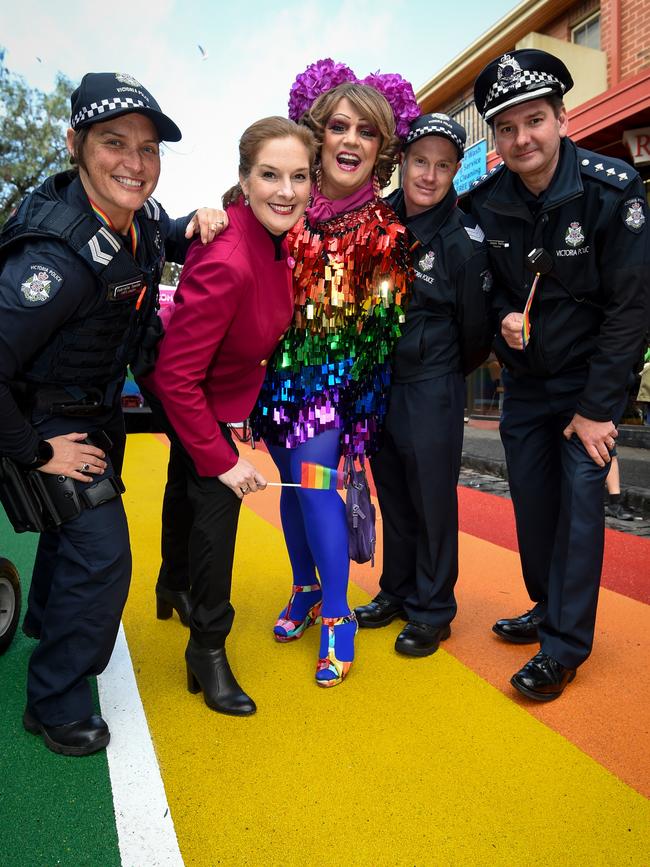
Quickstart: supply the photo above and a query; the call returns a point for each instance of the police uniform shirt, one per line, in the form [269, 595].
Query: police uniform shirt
[590, 311]
[448, 327]
[43, 286]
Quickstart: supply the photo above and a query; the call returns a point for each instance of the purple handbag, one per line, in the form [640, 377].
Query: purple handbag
[360, 513]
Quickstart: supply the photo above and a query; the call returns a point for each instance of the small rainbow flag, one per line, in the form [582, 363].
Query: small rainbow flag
[321, 478]
[525, 328]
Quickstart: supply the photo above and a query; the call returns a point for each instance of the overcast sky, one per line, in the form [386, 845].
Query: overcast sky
[254, 51]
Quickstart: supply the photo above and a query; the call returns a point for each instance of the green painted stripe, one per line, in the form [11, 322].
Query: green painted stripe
[54, 810]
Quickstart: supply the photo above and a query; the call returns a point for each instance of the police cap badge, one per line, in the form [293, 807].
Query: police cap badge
[102, 95]
[518, 77]
[441, 125]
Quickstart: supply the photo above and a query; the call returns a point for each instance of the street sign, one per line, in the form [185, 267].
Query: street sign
[473, 166]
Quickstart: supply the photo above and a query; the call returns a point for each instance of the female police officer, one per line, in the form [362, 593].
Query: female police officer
[81, 260]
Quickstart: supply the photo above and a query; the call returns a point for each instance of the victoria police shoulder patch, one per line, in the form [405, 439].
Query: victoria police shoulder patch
[39, 284]
[633, 214]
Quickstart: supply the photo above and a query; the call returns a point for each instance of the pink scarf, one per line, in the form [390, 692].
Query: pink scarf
[323, 209]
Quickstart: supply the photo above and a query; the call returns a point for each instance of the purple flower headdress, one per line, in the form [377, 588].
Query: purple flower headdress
[323, 75]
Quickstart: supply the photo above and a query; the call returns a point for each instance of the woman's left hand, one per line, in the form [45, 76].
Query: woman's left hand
[208, 222]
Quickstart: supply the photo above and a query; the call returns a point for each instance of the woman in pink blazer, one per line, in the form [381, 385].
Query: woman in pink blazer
[233, 303]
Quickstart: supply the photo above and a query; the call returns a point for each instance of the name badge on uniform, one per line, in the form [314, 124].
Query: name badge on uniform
[124, 291]
[497, 243]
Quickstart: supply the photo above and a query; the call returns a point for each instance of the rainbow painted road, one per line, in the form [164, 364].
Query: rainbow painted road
[410, 762]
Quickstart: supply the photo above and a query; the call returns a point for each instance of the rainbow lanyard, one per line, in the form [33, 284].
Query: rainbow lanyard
[106, 220]
[525, 328]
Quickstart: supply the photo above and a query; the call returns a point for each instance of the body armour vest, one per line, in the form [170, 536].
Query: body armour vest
[92, 351]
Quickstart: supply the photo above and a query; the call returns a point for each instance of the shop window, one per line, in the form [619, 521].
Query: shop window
[587, 33]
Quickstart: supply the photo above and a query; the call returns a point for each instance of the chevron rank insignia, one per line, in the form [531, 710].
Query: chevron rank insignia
[476, 233]
[39, 284]
[103, 246]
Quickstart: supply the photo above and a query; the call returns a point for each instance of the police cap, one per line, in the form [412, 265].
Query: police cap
[518, 77]
[102, 95]
[441, 125]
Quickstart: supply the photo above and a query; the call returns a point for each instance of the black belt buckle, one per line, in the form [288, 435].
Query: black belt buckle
[102, 492]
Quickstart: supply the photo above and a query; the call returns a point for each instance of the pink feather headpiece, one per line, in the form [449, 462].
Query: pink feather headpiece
[323, 75]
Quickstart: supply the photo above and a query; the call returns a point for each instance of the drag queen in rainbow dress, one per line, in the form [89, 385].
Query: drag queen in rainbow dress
[326, 390]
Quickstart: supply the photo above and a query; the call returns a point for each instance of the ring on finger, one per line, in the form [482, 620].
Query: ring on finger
[83, 468]
[244, 489]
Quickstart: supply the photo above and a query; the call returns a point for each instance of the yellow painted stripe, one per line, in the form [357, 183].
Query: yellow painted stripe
[409, 762]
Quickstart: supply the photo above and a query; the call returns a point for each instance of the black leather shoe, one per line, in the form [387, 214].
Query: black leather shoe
[380, 612]
[519, 630]
[420, 639]
[617, 510]
[208, 670]
[30, 631]
[169, 600]
[79, 738]
[542, 678]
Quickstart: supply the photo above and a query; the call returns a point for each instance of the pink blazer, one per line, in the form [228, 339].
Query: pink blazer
[233, 304]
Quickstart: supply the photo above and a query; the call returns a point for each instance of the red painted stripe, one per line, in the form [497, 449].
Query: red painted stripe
[626, 567]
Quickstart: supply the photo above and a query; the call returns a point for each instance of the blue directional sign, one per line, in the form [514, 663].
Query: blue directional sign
[473, 166]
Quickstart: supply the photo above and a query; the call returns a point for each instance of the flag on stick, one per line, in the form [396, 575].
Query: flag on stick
[321, 478]
[525, 329]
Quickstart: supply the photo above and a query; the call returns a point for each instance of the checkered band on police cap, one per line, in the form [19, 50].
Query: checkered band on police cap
[102, 95]
[440, 125]
[518, 77]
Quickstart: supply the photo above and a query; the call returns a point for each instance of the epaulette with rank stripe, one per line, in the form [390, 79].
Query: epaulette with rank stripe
[610, 171]
[486, 177]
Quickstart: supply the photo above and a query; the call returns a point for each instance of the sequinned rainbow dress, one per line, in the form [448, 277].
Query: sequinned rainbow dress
[332, 368]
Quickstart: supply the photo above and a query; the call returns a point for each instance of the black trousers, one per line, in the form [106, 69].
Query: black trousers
[199, 527]
[416, 473]
[557, 493]
[80, 582]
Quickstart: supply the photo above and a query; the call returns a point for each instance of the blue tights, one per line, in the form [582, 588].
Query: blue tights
[316, 534]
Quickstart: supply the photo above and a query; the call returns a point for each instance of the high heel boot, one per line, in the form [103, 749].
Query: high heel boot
[208, 670]
[169, 600]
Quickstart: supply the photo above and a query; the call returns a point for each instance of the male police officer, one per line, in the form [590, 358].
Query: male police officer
[447, 333]
[81, 260]
[568, 241]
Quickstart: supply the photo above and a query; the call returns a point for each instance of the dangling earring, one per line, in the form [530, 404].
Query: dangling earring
[246, 202]
[319, 176]
[376, 186]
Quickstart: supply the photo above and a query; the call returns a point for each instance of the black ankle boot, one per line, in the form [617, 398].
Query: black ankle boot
[208, 670]
[167, 600]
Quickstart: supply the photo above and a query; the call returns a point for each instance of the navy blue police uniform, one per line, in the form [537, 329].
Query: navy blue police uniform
[447, 332]
[66, 341]
[588, 319]
[73, 296]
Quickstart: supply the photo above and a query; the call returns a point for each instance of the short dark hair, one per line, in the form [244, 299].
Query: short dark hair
[78, 145]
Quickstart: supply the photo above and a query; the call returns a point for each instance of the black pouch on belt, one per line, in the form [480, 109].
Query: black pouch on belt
[22, 505]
